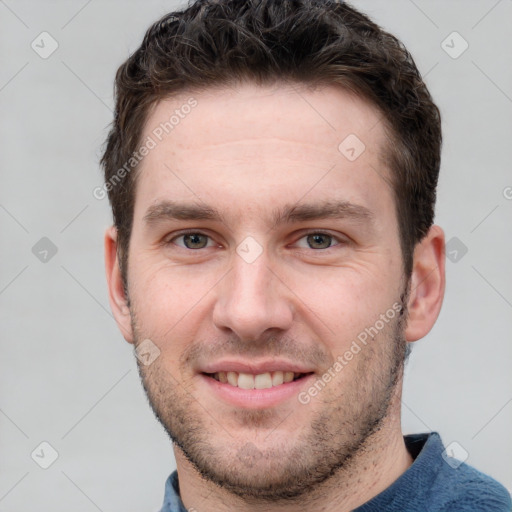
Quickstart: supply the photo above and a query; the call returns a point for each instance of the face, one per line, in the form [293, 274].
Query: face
[263, 251]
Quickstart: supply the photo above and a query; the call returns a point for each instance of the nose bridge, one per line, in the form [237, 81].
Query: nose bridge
[251, 299]
[251, 282]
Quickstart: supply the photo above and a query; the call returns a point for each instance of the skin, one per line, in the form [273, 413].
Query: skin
[248, 152]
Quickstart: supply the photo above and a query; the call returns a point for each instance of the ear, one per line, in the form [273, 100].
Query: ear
[118, 300]
[427, 284]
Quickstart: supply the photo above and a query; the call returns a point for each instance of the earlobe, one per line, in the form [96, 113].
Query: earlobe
[117, 297]
[427, 284]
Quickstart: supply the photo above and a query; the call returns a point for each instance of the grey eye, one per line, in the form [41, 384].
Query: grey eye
[194, 240]
[319, 241]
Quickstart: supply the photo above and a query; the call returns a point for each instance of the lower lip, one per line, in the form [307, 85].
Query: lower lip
[257, 398]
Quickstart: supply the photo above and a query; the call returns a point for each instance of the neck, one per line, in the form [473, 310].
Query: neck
[378, 463]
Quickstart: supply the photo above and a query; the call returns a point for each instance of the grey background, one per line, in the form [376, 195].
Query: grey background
[67, 376]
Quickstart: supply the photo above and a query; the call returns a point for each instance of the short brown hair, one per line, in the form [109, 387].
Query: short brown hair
[310, 42]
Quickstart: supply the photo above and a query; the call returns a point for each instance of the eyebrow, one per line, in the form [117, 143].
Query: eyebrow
[288, 214]
[324, 210]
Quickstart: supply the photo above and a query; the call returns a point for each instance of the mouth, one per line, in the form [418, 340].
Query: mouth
[265, 380]
[255, 384]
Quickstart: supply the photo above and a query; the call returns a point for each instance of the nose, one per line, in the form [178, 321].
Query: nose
[252, 299]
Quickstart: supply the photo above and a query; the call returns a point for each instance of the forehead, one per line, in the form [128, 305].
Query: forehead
[321, 116]
[254, 140]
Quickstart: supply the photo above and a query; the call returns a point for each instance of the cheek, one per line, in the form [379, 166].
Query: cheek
[174, 303]
[167, 300]
[341, 303]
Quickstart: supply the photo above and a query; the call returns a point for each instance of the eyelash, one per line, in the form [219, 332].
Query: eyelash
[195, 232]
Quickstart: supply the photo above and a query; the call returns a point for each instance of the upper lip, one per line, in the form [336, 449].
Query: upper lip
[256, 368]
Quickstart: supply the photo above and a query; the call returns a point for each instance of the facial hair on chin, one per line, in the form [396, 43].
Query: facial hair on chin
[328, 444]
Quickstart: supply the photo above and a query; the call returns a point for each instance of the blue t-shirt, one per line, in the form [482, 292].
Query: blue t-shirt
[433, 483]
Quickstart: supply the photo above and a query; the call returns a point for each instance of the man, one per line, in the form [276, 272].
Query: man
[272, 170]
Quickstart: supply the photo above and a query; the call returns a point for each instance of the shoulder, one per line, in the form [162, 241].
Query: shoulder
[465, 489]
[446, 484]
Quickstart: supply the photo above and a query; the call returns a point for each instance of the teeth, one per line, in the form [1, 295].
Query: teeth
[245, 381]
[288, 376]
[233, 378]
[263, 381]
[250, 381]
[277, 378]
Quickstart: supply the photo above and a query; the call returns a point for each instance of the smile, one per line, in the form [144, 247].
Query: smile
[260, 381]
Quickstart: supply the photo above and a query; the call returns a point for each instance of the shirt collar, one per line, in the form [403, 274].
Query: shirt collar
[421, 446]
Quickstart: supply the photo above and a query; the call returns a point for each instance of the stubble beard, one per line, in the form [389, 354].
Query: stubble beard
[337, 436]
